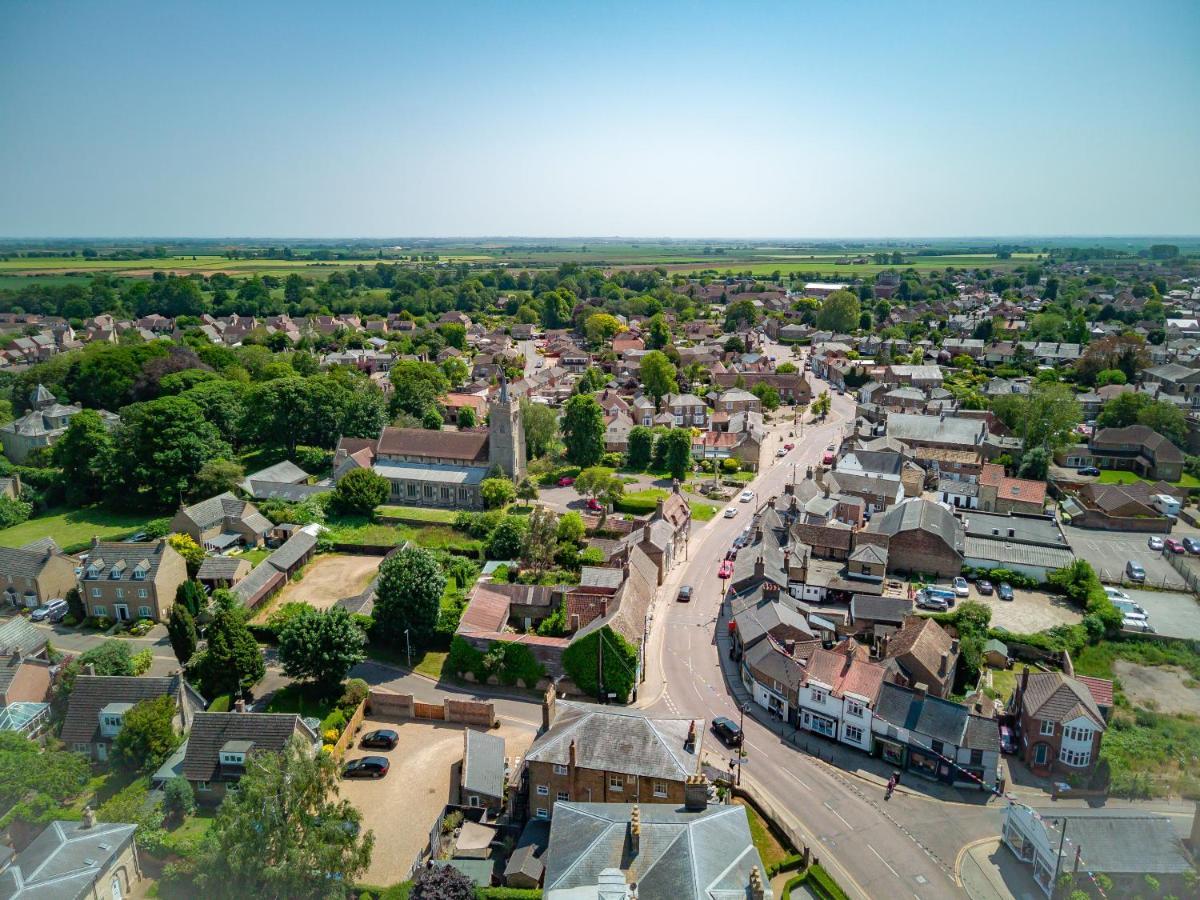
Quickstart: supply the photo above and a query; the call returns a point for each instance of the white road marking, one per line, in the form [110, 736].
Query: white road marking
[797, 779]
[884, 861]
[825, 803]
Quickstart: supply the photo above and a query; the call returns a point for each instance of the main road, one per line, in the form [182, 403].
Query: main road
[903, 849]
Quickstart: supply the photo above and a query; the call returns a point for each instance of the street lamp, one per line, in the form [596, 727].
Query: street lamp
[741, 747]
[408, 644]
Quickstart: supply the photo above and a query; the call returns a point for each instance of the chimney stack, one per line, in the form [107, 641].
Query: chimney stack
[89, 817]
[548, 699]
[943, 665]
[1024, 680]
[954, 647]
[758, 890]
[635, 830]
[89, 669]
[571, 754]
[920, 689]
[695, 793]
[760, 567]
[689, 743]
[239, 705]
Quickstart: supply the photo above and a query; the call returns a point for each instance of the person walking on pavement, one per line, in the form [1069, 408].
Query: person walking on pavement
[891, 785]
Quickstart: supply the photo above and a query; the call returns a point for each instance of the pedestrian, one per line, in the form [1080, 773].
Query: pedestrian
[891, 787]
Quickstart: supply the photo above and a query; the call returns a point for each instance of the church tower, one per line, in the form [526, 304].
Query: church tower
[506, 434]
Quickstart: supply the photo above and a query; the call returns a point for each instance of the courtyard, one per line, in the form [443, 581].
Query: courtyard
[324, 581]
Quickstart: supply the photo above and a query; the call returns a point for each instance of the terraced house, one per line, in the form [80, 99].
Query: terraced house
[131, 581]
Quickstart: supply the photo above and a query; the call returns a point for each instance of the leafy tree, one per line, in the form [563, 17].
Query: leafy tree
[497, 492]
[740, 314]
[1049, 416]
[821, 406]
[641, 447]
[14, 511]
[1167, 419]
[658, 333]
[677, 451]
[75, 607]
[222, 404]
[147, 736]
[416, 387]
[85, 453]
[285, 833]
[455, 369]
[455, 334]
[600, 328]
[190, 595]
[113, 657]
[1110, 376]
[556, 308]
[217, 477]
[466, 418]
[321, 646]
[409, 593]
[359, 491]
[1035, 464]
[839, 312]
[583, 430]
[541, 424]
[541, 539]
[658, 375]
[231, 663]
[571, 529]
[507, 539]
[1123, 410]
[527, 490]
[50, 775]
[786, 368]
[179, 799]
[767, 395]
[193, 554]
[181, 631]
[431, 419]
[441, 882]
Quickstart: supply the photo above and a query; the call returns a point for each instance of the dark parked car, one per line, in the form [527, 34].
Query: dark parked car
[1135, 572]
[984, 587]
[1008, 741]
[1089, 470]
[1191, 545]
[366, 767]
[383, 739]
[685, 594]
[727, 730]
[1004, 592]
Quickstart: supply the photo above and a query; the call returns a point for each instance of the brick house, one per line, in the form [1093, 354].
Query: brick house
[1138, 449]
[97, 705]
[737, 400]
[35, 573]
[1061, 721]
[921, 652]
[481, 779]
[220, 744]
[131, 581]
[221, 522]
[920, 536]
[999, 493]
[596, 754]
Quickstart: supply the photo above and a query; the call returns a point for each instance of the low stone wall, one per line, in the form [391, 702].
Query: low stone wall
[389, 705]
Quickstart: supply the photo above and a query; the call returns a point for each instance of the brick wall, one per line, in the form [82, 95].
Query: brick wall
[594, 786]
[920, 551]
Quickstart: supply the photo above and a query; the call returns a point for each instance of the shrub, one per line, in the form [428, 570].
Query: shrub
[178, 798]
[451, 821]
[591, 556]
[355, 692]
[142, 661]
[620, 663]
[335, 722]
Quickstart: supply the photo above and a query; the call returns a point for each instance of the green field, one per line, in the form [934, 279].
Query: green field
[72, 529]
[1112, 476]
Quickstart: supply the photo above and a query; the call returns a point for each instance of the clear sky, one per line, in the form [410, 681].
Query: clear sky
[796, 119]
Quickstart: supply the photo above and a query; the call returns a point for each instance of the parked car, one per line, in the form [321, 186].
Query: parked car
[726, 570]
[1155, 543]
[789, 446]
[1005, 591]
[1135, 572]
[1191, 545]
[731, 553]
[746, 496]
[366, 767]
[1142, 625]
[136, 537]
[931, 601]
[685, 594]
[728, 731]
[984, 587]
[1089, 470]
[1174, 545]
[1130, 610]
[961, 588]
[566, 481]
[1115, 594]
[730, 512]
[1008, 740]
[383, 739]
[781, 452]
[827, 458]
[51, 611]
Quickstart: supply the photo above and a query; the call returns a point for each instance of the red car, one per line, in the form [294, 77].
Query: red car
[593, 505]
[1174, 546]
[789, 446]
[827, 458]
[726, 570]
[566, 481]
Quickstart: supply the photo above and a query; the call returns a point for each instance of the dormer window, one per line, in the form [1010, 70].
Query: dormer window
[233, 759]
[92, 572]
[114, 573]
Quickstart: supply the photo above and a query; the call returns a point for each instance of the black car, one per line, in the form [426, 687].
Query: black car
[1089, 470]
[1004, 592]
[1191, 545]
[731, 554]
[984, 587]
[727, 730]
[384, 739]
[685, 594]
[366, 767]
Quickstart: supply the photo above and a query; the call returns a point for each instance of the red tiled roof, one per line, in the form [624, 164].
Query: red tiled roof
[1101, 689]
[487, 611]
[469, 446]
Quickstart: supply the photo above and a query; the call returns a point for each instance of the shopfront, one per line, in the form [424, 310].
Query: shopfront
[820, 724]
[892, 752]
[929, 764]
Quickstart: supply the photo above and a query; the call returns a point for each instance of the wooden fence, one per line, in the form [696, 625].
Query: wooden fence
[348, 735]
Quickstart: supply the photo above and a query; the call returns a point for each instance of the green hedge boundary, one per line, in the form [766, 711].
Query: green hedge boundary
[817, 880]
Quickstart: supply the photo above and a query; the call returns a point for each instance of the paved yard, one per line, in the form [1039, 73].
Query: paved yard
[402, 807]
[327, 579]
[1029, 610]
[1172, 613]
[1108, 551]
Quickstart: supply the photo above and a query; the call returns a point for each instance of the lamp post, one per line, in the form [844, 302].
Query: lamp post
[408, 645]
[741, 730]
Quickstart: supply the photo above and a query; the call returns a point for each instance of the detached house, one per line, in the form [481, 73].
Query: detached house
[221, 522]
[131, 581]
[220, 745]
[31, 575]
[97, 706]
[1138, 449]
[1062, 720]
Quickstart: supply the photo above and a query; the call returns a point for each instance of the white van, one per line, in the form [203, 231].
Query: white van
[1166, 504]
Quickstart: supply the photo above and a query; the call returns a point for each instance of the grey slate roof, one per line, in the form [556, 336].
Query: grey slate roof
[216, 510]
[880, 609]
[125, 557]
[286, 472]
[624, 740]
[921, 514]
[20, 633]
[92, 693]
[935, 719]
[21, 563]
[483, 764]
[212, 730]
[221, 567]
[64, 861]
[293, 549]
[261, 577]
[1119, 841]
[682, 854]
[753, 622]
[939, 429]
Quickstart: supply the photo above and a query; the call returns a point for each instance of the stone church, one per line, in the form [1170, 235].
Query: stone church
[441, 468]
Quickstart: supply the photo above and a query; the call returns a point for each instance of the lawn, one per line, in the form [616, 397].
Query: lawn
[702, 512]
[1114, 476]
[767, 845]
[418, 513]
[358, 530]
[1004, 682]
[73, 529]
[303, 700]
[255, 556]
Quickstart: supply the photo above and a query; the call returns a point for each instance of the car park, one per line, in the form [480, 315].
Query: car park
[1135, 572]
[730, 512]
[961, 588]
[984, 587]
[1191, 545]
[1005, 591]
[1174, 546]
[1155, 542]
[728, 731]
[746, 496]
[383, 739]
[366, 767]
[685, 594]
[51, 611]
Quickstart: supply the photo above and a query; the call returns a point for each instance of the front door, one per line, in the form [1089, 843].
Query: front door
[122, 612]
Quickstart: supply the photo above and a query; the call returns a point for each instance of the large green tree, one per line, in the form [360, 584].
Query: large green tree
[658, 375]
[217, 476]
[231, 662]
[86, 455]
[641, 447]
[181, 631]
[839, 312]
[677, 451]
[416, 386]
[321, 646]
[583, 430]
[147, 736]
[359, 491]
[285, 833]
[541, 425]
[408, 597]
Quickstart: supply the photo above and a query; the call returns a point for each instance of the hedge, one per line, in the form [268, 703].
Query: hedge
[507, 660]
[786, 864]
[818, 882]
[620, 663]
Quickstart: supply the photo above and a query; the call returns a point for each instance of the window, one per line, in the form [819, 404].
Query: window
[429, 491]
[139, 574]
[818, 696]
[560, 770]
[99, 610]
[977, 757]
[937, 747]
[543, 790]
[202, 786]
[854, 733]
[95, 592]
[541, 813]
[412, 490]
[1047, 726]
[473, 800]
[1075, 758]
[660, 788]
[112, 721]
[233, 759]
[143, 593]
[854, 708]
[1074, 733]
[563, 795]
[120, 593]
[616, 782]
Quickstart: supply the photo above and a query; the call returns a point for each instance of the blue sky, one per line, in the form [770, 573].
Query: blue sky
[562, 119]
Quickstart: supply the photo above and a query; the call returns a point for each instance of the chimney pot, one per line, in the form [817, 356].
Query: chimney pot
[635, 830]
[89, 669]
[695, 793]
[920, 689]
[89, 817]
[944, 665]
[239, 705]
